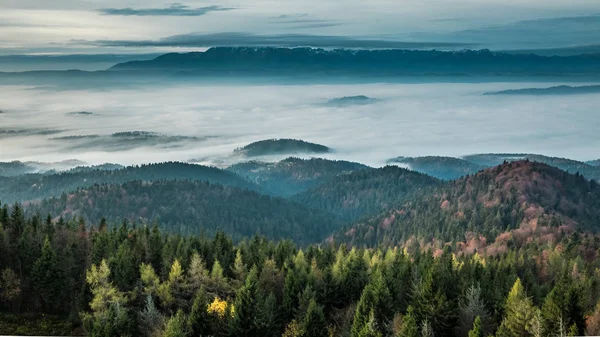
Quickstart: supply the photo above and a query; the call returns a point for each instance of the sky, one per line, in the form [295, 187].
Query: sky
[154, 26]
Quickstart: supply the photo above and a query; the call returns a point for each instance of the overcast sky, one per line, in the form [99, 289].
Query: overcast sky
[108, 26]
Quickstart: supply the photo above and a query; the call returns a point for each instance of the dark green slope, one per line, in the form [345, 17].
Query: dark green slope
[292, 175]
[365, 192]
[37, 186]
[192, 207]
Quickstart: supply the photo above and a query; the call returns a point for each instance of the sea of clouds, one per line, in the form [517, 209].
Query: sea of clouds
[207, 122]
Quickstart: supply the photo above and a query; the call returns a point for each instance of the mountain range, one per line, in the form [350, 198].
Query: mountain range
[290, 65]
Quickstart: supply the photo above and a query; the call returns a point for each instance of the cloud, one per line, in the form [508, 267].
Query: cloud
[175, 9]
[274, 40]
[315, 25]
[541, 33]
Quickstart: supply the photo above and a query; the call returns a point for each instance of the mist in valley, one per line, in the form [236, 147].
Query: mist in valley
[204, 123]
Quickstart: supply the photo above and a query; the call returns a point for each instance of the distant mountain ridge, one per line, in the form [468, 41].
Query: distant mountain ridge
[556, 90]
[393, 62]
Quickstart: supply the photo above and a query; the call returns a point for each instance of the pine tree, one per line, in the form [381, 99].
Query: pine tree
[47, 276]
[477, 330]
[176, 326]
[536, 326]
[518, 312]
[375, 298]
[103, 291]
[426, 329]
[199, 319]
[470, 307]
[239, 268]
[314, 323]
[151, 320]
[409, 327]
[266, 316]
[245, 306]
[370, 329]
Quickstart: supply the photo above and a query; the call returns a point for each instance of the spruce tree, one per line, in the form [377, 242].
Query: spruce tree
[47, 276]
[199, 319]
[409, 327]
[518, 312]
[246, 305]
[477, 330]
[314, 323]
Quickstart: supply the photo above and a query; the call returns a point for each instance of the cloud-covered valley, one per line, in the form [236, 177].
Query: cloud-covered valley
[153, 123]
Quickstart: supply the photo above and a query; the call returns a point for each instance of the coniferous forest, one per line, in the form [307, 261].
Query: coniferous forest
[508, 251]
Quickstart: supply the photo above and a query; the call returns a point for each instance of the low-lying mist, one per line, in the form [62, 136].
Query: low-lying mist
[207, 122]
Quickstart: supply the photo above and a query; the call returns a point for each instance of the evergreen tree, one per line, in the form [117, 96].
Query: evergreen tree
[199, 319]
[477, 330]
[518, 312]
[151, 319]
[409, 327]
[176, 326]
[375, 299]
[266, 317]
[47, 276]
[246, 306]
[314, 323]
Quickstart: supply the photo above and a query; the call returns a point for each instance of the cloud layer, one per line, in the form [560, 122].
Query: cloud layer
[203, 121]
[175, 9]
[275, 40]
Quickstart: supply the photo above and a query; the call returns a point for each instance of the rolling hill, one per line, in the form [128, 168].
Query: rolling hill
[37, 186]
[513, 202]
[270, 147]
[192, 207]
[292, 175]
[352, 196]
[569, 165]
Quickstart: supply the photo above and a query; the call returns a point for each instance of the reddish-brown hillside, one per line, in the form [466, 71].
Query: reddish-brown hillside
[509, 204]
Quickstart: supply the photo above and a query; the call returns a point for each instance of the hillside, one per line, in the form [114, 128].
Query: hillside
[529, 199]
[271, 147]
[37, 186]
[192, 207]
[241, 61]
[292, 175]
[352, 196]
[446, 168]
[569, 165]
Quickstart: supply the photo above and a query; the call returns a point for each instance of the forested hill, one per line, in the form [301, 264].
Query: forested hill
[588, 170]
[365, 192]
[507, 204]
[292, 175]
[192, 207]
[37, 186]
